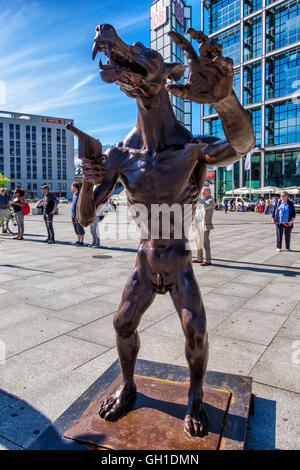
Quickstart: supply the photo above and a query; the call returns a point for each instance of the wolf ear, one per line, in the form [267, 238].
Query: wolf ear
[174, 71]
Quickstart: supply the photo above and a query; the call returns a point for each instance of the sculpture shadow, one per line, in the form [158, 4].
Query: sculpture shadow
[261, 431]
[21, 425]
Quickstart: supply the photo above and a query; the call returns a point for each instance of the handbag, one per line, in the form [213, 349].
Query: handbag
[26, 209]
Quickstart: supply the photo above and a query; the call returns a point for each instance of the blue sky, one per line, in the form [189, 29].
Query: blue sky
[47, 67]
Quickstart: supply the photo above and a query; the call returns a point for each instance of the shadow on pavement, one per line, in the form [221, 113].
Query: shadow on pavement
[261, 434]
[285, 272]
[21, 425]
[16, 266]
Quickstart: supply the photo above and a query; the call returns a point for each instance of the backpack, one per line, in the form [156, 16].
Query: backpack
[26, 209]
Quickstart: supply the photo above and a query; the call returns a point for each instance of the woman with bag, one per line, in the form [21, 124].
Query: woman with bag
[17, 204]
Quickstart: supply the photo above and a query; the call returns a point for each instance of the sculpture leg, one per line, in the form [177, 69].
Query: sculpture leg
[188, 303]
[137, 297]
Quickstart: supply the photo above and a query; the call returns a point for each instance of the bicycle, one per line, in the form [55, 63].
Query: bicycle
[8, 222]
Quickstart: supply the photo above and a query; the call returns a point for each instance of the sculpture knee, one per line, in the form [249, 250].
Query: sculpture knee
[194, 328]
[123, 322]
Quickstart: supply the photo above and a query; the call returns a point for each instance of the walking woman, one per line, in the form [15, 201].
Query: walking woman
[283, 216]
[17, 203]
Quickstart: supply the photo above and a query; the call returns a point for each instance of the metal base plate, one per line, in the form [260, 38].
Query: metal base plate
[156, 420]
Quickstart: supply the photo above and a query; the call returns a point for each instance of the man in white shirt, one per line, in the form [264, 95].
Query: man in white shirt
[203, 223]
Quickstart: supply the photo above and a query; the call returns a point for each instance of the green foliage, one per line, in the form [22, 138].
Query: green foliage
[3, 181]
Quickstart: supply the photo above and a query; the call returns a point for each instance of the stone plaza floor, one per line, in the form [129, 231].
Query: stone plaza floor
[57, 303]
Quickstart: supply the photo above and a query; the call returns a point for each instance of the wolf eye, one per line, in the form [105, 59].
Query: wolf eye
[152, 55]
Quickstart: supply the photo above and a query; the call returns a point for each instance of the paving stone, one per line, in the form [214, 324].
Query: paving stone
[44, 362]
[7, 445]
[250, 325]
[85, 312]
[275, 423]
[21, 423]
[160, 348]
[277, 304]
[238, 289]
[6, 400]
[36, 330]
[279, 366]
[291, 328]
[218, 307]
[229, 355]
[67, 298]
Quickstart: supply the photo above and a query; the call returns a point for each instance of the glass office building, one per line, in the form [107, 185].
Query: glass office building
[171, 15]
[263, 39]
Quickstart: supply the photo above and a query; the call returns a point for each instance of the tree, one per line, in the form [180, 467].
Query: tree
[3, 181]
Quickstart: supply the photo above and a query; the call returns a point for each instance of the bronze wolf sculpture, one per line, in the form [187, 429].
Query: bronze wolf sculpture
[160, 162]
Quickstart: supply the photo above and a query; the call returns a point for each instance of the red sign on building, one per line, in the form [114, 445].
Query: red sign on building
[54, 121]
[158, 18]
[179, 14]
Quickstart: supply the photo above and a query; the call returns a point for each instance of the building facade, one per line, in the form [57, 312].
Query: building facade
[35, 150]
[166, 16]
[263, 39]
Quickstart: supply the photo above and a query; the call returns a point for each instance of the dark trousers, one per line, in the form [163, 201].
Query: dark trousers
[48, 218]
[280, 228]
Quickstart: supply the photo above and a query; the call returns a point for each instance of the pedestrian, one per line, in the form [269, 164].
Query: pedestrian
[94, 228]
[283, 216]
[261, 205]
[49, 204]
[79, 230]
[225, 205]
[267, 206]
[4, 206]
[17, 203]
[203, 223]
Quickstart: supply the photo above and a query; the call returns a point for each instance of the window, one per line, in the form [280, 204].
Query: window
[252, 83]
[230, 42]
[223, 13]
[283, 25]
[283, 72]
[283, 124]
[252, 39]
[282, 168]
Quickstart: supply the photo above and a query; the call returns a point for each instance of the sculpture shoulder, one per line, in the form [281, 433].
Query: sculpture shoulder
[116, 156]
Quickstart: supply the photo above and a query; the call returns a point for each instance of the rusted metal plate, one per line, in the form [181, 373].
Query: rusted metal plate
[234, 433]
[155, 421]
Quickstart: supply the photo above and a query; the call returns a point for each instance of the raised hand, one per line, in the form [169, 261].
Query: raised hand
[210, 75]
[93, 170]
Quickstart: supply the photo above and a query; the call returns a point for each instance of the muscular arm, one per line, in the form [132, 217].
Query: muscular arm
[238, 130]
[93, 195]
[210, 81]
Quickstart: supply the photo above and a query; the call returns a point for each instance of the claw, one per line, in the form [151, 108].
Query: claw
[185, 45]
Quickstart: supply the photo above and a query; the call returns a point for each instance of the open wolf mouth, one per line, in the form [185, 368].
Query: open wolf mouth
[118, 59]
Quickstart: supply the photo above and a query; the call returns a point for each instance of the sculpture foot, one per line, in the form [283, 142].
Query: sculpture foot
[196, 420]
[120, 402]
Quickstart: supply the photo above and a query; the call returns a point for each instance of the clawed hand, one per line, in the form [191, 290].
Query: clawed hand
[210, 75]
[93, 170]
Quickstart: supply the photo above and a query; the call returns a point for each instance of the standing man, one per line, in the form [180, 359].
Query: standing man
[283, 216]
[79, 230]
[203, 222]
[49, 204]
[4, 200]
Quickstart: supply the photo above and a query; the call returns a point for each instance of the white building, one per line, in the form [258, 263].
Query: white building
[35, 150]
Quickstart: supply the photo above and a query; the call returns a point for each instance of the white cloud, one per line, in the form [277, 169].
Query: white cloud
[82, 82]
